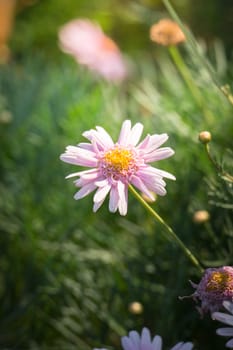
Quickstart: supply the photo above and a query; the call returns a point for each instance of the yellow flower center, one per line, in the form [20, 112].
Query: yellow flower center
[118, 163]
[220, 281]
[119, 160]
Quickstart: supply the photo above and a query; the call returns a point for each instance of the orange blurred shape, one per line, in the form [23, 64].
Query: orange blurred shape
[166, 32]
[7, 12]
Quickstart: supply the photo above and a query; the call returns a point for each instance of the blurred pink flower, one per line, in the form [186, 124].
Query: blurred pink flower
[116, 165]
[227, 319]
[88, 44]
[215, 287]
[135, 341]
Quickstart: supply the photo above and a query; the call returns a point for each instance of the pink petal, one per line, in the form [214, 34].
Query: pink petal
[85, 180]
[137, 182]
[86, 145]
[229, 344]
[127, 343]
[105, 136]
[97, 205]
[124, 133]
[84, 191]
[114, 199]
[222, 317]
[158, 154]
[79, 156]
[101, 193]
[98, 138]
[145, 339]
[227, 331]
[228, 306]
[135, 338]
[177, 346]
[80, 38]
[183, 346]
[152, 142]
[154, 184]
[145, 142]
[135, 134]
[157, 343]
[102, 182]
[151, 171]
[123, 198]
[86, 174]
[110, 65]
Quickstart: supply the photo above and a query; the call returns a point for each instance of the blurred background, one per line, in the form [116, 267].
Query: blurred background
[71, 279]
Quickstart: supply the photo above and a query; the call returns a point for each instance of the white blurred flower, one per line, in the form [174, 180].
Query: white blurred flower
[135, 341]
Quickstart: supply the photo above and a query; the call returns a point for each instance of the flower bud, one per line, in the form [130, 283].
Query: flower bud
[204, 137]
[201, 216]
[135, 308]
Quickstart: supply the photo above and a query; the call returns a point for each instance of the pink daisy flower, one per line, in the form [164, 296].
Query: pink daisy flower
[135, 341]
[116, 165]
[87, 43]
[227, 319]
[215, 287]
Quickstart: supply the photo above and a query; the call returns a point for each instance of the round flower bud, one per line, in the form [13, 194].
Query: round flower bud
[204, 137]
[215, 287]
[135, 308]
[201, 216]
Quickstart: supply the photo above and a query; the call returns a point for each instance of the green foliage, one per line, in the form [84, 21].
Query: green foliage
[67, 275]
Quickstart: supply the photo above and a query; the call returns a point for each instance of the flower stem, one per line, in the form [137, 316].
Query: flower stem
[168, 228]
[184, 71]
[223, 174]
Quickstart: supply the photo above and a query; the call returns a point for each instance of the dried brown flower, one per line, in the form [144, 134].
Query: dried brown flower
[166, 32]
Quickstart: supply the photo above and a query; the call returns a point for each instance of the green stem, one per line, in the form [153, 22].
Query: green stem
[194, 50]
[224, 174]
[227, 92]
[179, 62]
[168, 228]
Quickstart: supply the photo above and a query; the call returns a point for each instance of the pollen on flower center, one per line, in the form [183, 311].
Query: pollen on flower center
[220, 281]
[118, 162]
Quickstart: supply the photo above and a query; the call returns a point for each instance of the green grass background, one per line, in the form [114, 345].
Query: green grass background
[67, 275]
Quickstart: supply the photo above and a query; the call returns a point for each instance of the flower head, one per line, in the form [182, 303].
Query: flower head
[215, 287]
[116, 165]
[87, 43]
[227, 319]
[135, 341]
[145, 342]
[166, 32]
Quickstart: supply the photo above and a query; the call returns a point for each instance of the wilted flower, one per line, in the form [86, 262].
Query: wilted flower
[215, 287]
[116, 165]
[166, 32]
[87, 43]
[144, 342]
[227, 319]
